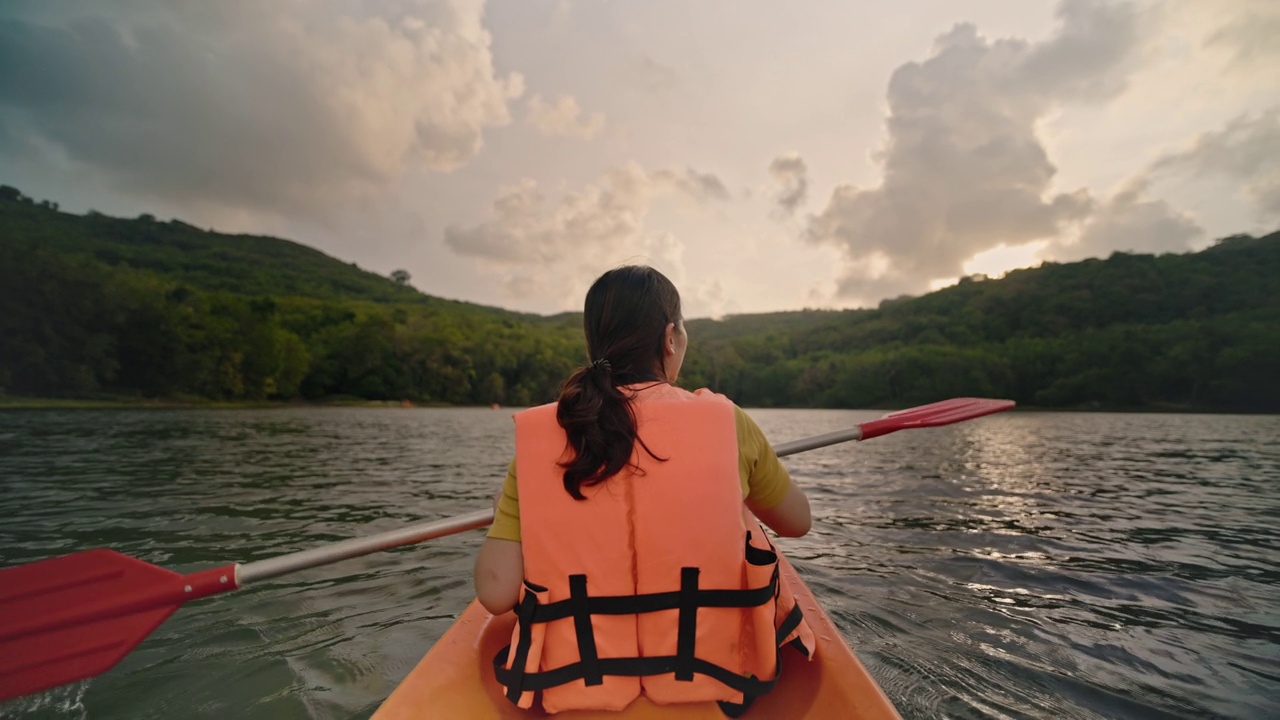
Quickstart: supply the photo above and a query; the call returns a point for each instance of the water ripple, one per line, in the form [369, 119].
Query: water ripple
[1024, 565]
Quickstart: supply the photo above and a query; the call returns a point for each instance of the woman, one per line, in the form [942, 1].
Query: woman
[622, 536]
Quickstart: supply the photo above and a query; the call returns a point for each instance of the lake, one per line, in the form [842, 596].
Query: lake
[1021, 565]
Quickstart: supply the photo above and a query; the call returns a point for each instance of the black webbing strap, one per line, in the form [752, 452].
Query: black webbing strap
[736, 710]
[789, 624]
[760, 556]
[688, 624]
[631, 667]
[582, 628]
[639, 667]
[517, 674]
[591, 669]
[654, 602]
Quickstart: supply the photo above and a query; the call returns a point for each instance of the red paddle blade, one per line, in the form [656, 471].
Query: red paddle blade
[73, 617]
[934, 414]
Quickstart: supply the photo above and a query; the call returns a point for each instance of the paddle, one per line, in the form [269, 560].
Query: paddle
[75, 616]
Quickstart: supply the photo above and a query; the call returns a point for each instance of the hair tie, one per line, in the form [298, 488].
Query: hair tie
[601, 363]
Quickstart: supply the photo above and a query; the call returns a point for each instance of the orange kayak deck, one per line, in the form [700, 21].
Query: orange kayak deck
[455, 679]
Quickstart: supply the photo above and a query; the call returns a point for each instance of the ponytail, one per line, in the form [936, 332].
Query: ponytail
[625, 318]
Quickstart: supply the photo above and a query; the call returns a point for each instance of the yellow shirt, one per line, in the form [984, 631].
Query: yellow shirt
[764, 480]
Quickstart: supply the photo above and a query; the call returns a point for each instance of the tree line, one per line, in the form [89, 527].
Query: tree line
[1177, 331]
[72, 330]
[93, 306]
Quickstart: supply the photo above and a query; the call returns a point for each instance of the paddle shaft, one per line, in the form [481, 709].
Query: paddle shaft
[355, 547]
[932, 415]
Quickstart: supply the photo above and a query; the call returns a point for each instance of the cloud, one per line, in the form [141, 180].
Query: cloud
[964, 170]
[703, 187]
[791, 175]
[1251, 32]
[1130, 222]
[1089, 59]
[1246, 152]
[562, 118]
[530, 229]
[551, 249]
[282, 107]
[654, 77]
[707, 298]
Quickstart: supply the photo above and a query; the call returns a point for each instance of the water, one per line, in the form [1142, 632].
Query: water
[1021, 565]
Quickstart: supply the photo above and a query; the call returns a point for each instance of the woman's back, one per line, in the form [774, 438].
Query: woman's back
[634, 561]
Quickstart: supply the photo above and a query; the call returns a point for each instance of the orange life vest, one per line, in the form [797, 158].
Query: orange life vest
[659, 582]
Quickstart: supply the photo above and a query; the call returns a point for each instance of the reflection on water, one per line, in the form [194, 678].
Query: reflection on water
[63, 702]
[1068, 565]
[1020, 565]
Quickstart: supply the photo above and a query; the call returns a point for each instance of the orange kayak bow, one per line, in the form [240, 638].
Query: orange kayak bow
[455, 679]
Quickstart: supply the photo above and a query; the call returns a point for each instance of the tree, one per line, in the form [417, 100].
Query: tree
[400, 277]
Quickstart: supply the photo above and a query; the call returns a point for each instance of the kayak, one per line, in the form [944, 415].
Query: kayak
[455, 678]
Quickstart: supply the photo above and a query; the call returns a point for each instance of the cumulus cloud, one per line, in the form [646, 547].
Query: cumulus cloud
[1250, 32]
[564, 118]
[700, 186]
[282, 106]
[1131, 222]
[1246, 152]
[964, 170]
[550, 249]
[792, 178]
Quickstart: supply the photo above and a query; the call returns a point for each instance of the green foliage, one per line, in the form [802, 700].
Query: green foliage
[1199, 330]
[93, 305]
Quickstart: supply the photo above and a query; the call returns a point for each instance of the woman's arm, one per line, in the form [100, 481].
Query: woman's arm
[766, 478]
[498, 574]
[499, 567]
[789, 518]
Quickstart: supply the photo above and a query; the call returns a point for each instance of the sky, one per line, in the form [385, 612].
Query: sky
[765, 156]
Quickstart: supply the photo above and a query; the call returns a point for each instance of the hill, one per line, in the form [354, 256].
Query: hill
[96, 306]
[93, 306]
[1175, 331]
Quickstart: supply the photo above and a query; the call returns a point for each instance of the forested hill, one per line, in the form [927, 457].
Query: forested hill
[203, 260]
[1197, 330]
[94, 306]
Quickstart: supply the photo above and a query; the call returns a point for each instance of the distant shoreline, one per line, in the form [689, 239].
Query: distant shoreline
[26, 403]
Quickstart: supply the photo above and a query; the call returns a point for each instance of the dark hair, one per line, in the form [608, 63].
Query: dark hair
[625, 317]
